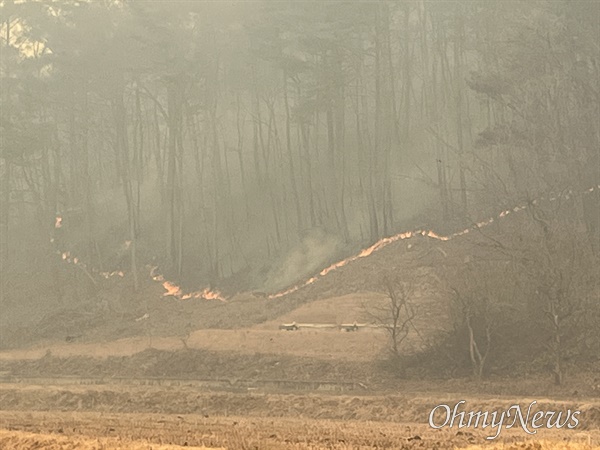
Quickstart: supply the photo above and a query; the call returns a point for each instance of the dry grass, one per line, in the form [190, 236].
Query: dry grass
[19, 440]
[107, 431]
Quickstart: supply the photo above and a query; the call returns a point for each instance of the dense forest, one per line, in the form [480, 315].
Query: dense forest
[246, 145]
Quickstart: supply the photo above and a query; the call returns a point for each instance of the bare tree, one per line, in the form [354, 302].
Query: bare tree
[476, 310]
[396, 315]
[561, 273]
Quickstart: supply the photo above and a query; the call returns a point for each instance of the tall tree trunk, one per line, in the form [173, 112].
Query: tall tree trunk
[240, 145]
[172, 106]
[407, 73]
[458, 94]
[125, 171]
[5, 183]
[90, 213]
[340, 131]
[299, 218]
[5, 180]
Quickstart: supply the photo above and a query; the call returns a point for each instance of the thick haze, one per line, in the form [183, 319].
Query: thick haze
[247, 145]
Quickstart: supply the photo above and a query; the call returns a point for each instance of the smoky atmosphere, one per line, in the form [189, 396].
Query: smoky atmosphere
[299, 224]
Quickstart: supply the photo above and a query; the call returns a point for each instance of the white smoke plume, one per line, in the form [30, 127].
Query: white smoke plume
[312, 253]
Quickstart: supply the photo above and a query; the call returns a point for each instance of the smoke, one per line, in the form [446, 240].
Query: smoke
[312, 253]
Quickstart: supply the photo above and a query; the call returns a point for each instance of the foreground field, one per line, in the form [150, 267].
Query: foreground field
[97, 431]
[167, 418]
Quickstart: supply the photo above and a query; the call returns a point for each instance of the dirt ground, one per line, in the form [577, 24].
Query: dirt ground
[66, 418]
[137, 432]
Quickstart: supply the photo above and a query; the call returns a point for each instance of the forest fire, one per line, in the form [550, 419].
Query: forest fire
[172, 290]
[275, 224]
[362, 254]
[176, 291]
[410, 234]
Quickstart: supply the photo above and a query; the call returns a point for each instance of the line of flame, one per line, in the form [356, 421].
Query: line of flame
[171, 289]
[384, 242]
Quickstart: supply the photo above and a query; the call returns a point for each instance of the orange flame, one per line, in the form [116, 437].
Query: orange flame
[175, 291]
[410, 234]
[171, 289]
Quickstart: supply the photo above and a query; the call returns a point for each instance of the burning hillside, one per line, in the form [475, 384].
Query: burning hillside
[430, 234]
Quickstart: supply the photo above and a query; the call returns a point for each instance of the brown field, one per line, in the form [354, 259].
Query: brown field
[92, 430]
[127, 417]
